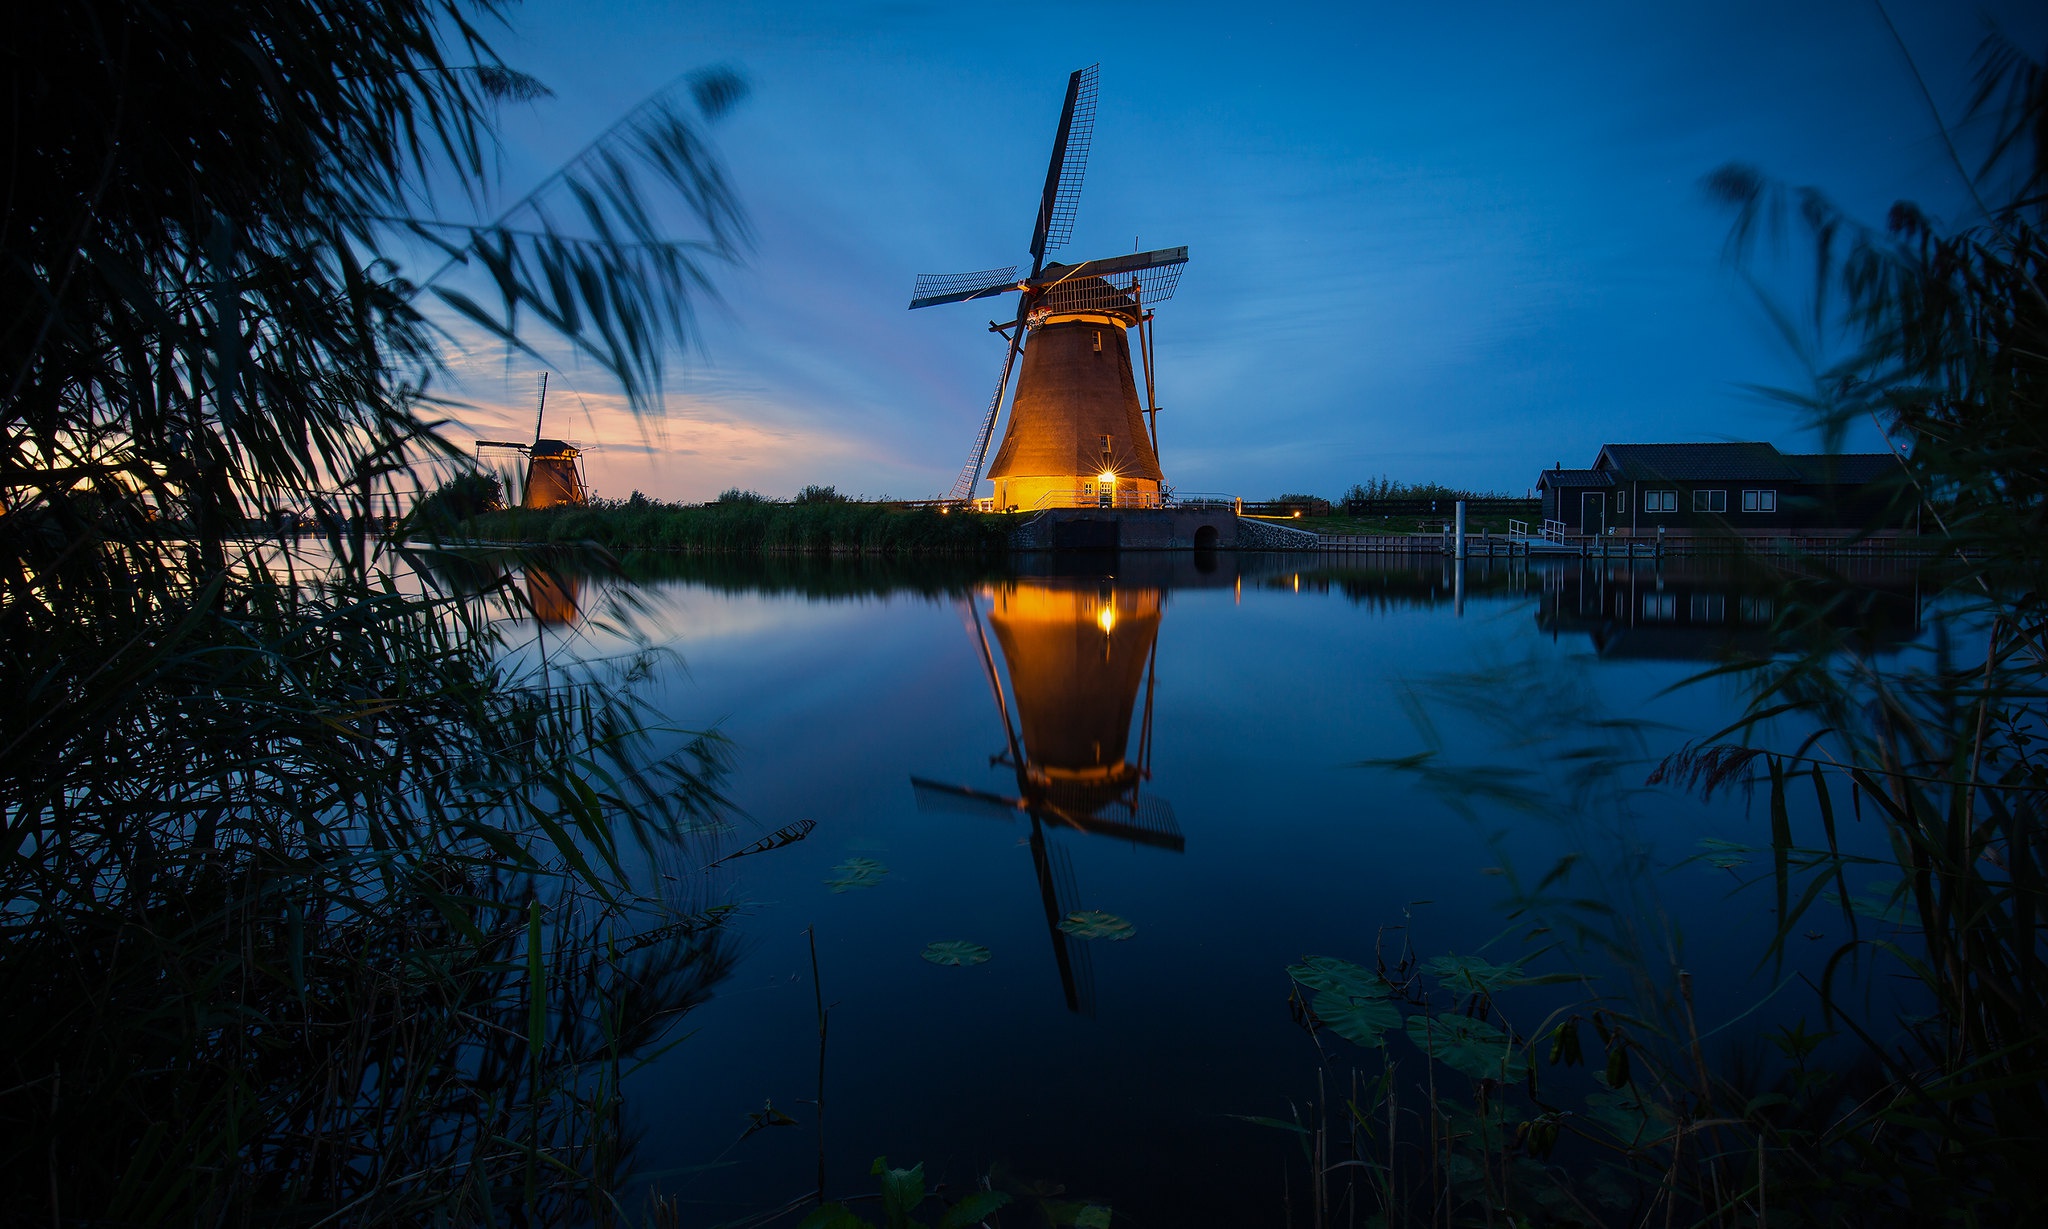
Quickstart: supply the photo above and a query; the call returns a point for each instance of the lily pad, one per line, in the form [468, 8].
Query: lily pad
[955, 953]
[1472, 1046]
[1340, 976]
[856, 873]
[1472, 975]
[1095, 924]
[1726, 855]
[1362, 1021]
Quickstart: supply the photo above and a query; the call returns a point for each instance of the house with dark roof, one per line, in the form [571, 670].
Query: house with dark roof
[1639, 490]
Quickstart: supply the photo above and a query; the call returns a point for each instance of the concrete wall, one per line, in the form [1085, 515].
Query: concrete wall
[1129, 529]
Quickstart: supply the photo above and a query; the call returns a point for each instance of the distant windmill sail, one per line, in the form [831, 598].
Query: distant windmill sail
[1077, 432]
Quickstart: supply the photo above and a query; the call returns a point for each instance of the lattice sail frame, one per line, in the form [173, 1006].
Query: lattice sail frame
[1066, 201]
[990, 281]
[1087, 293]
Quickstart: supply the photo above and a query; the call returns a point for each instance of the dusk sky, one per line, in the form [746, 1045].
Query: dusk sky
[1441, 243]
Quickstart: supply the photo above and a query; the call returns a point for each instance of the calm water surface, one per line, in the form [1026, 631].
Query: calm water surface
[1176, 741]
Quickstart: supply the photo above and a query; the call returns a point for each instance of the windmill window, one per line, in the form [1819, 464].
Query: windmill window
[1098, 341]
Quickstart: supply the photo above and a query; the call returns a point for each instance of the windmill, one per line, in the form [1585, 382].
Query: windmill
[1078, 435]
[554, 468]
[1078, 659]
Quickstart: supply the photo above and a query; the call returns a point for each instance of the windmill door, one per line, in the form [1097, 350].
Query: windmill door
[1593, 512]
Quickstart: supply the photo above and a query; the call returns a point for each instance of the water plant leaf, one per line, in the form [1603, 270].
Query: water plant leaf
[1464, 1044]
[1472, 974]
[856, 873]
[1341, 976]
[833, 1216]
[1362, 1021]
[1095, 924]
[1094, 1216]
[1725, 854]
[974, 1209]
[902, 1190]
[955, 952]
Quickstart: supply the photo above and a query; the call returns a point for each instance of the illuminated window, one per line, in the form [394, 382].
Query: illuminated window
[1710, 501]
[1759, 501]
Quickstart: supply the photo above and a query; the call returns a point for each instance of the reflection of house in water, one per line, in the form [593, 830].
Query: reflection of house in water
[1707, 608]
[1080, 653]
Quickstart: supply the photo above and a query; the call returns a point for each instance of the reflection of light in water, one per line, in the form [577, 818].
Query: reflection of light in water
[1106, 619]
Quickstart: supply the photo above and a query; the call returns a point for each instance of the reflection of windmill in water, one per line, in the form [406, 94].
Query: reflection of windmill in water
[554, 468]
[1077, 432]
[1079, 654]
[554, 594]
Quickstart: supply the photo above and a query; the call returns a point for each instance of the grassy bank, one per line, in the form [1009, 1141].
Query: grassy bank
[758, 528]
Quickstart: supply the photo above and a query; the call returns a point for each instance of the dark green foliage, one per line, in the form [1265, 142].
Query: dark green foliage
[1383, 487]
[815, 494]
[751, 527]
[317, 908]
[464, 497]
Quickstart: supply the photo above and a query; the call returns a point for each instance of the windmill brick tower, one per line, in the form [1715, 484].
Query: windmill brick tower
[1077, 435]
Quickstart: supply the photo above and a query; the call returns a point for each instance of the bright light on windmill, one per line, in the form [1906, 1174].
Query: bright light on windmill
[1106, 619]
[1107, 475]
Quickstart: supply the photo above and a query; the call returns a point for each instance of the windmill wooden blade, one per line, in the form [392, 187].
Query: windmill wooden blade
[932, 289]
[970, 473]
[1152, 823]
[1061, 198]
[960, 800]
[1056, 891]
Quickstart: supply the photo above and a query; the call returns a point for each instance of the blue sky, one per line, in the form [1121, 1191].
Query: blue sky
[1441, 243]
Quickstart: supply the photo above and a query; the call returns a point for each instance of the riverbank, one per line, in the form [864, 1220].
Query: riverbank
[759, 528]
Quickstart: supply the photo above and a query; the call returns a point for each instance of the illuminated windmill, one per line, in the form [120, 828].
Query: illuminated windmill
[1078, 656]
[554, 468]
[1077, 434]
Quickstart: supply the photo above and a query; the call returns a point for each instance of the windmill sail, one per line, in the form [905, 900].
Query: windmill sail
[970, 473]
[1061, 199]
[935, 288]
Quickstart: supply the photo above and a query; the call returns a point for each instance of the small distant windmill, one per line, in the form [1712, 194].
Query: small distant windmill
[1078, 433]
[554, 468]
[1100, 797]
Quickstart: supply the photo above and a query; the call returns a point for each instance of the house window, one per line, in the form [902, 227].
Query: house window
[1759, 501]
[1621, 501]
[1660, 501]
[1758, 609]
[1709, 608]
[1660, 605]
[1710, 501]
